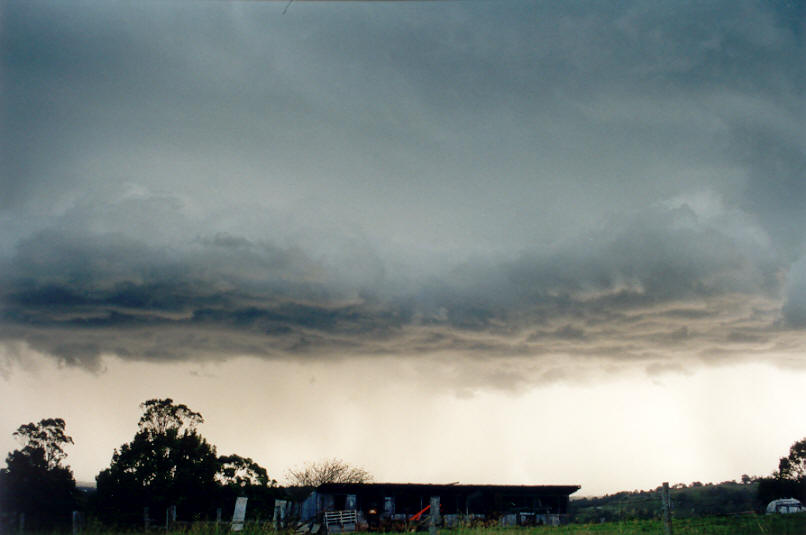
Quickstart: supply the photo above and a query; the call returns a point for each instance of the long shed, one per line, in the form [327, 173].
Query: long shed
[387, 504]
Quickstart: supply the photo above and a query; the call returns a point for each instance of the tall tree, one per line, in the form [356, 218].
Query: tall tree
[327, 471]
[167, 463]
[793, 466]
[161, 415]
[34, 481]
[48, 436]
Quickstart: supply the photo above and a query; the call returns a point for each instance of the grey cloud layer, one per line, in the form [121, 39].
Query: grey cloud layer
[523, 179]
[636, 289]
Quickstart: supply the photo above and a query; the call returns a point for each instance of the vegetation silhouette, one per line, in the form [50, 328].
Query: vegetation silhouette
[168, 462]
[789, 481]
[242, 472]
[699, 500]
[34, 482]
[793, 466]
[332, 470]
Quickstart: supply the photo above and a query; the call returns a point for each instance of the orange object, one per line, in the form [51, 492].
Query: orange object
[418, 515]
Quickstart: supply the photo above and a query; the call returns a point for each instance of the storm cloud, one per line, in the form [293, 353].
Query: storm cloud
[594, 183]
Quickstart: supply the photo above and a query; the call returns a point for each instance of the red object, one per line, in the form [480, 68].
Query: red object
[418, 515]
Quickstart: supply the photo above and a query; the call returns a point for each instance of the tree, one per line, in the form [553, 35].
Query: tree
[772, 488]
[241, 476]
[167, 463]
[789, 481]
[327, 471]
[161, 415]
[237, 471]
[793, 466]
[48, 436]
[34, 482]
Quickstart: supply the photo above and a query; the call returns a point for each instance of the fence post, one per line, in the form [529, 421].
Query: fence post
[667, 509]
[279, 514]
[239, 514]
[146, 519]
[76, 522]
[434, 517]
[170, 517]
[21, 525]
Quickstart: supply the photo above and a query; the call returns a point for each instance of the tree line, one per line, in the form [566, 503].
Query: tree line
[789, 481]
[167, 463]
[698, 499]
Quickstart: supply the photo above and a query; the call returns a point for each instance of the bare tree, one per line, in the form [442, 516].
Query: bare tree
[327, 471]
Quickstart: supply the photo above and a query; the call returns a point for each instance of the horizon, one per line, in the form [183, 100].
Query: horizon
[519, 242]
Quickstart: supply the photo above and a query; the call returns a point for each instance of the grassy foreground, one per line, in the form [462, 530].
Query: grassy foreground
[746, 524]
[725, 525]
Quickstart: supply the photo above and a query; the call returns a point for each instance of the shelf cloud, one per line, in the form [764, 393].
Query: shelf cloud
[601, 184]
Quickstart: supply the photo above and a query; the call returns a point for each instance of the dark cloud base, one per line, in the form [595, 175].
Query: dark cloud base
[656, 289]
[506, 137]
[652, 287]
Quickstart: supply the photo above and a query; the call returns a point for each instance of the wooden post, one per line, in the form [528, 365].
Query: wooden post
[667, 509]
[217, 518]
[146, 519]
[434, 517]
[21, 525]
[76, 522]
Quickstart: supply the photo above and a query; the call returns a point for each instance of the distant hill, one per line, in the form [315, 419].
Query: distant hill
[86, 487]
[693, 500]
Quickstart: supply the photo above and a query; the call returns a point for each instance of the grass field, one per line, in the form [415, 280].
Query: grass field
[745, 524]
[726, 525]
[748, 524]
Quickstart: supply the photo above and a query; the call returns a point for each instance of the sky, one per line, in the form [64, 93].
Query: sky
[521, 242]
